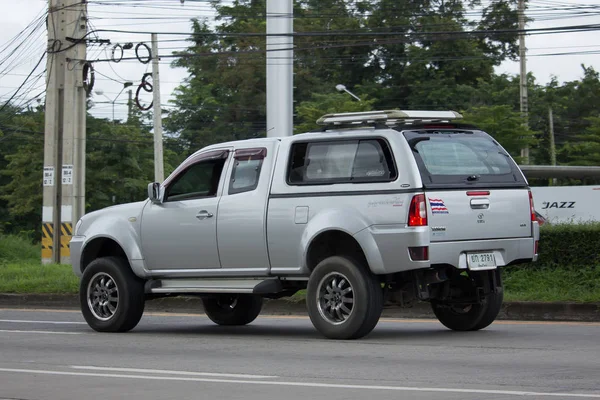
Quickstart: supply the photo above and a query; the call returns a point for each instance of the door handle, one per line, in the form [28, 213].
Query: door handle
[204, 214]
[479, 204]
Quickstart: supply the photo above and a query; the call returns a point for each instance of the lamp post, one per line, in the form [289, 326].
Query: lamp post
[342, 88]
[100, 92]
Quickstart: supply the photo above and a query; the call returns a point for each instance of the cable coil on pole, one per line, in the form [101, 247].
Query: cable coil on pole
[147, 87]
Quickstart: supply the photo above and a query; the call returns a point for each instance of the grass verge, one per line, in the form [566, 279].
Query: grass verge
[33, 277]
[552, 284]
[21, 270]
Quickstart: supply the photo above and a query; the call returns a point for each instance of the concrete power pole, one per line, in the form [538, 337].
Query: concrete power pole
[523, 75]
[65, 126]
[159, 172]
[552, 142]
[280, 68]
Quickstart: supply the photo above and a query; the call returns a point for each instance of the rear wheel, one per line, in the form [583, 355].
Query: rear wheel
[111, 295]
[232, 309]
[344, 299]
[471, 316]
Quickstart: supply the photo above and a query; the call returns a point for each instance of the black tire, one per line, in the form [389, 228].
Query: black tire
[129, 306]
[366, 293]
[233, 310]
[472, 317]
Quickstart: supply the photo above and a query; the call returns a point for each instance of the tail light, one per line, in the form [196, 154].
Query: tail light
[531, 207]
[417, 213]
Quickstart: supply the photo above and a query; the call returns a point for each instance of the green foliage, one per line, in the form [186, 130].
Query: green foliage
[553, 284]
[224, 95]
[310, 111]
[570, 246]
[585, 148]
[21, 160]
[119, 166]
[32, 277]
[504, 124]
[118, 169]
[15, 248]
[568, 268]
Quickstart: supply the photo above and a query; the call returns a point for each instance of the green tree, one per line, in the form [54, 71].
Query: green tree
[585, 149]
[21, 173]
[504, 124]
[320, 104]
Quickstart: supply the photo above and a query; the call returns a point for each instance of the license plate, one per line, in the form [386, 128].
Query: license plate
[481, 261]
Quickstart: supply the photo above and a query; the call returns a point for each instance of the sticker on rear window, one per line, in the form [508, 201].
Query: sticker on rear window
[438, 206]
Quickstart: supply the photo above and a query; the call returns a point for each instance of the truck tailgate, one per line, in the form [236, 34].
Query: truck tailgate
[479, 214]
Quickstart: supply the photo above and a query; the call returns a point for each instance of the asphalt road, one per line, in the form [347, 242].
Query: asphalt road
[54, 355]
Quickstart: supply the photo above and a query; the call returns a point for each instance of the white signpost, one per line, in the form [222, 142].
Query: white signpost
[48, 176]
[67, 174]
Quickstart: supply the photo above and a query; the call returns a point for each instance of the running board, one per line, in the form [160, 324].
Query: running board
[254, 286]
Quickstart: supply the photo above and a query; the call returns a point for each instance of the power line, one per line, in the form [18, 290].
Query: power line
[22, 84]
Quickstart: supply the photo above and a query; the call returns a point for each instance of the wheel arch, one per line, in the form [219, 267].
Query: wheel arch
[334, 233]
[101, 246]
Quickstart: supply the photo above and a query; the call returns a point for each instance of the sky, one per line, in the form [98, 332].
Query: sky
[110, 76]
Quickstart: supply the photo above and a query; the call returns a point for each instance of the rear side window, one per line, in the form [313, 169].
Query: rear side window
[458, 158]
[246, 170]
[341, 161]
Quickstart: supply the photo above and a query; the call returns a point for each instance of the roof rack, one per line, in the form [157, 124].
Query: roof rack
[388, 117]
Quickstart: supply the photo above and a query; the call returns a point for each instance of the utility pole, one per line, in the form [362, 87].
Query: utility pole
[523, 76]
[64, 136]
[159, 173]
[280, 68]
[552, 144]
[129, 104]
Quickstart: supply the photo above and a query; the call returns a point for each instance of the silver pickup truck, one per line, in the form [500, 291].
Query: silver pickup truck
[386, 206]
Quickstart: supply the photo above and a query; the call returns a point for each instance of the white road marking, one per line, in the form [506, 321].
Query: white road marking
[23, 321]
[46, 332]
[307, 384]
[171, 372]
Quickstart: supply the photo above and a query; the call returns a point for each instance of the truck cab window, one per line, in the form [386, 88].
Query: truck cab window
[245, 175]
[199, 180]
[341, 161]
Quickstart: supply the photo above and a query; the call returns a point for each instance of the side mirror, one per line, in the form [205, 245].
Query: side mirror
[154, 192]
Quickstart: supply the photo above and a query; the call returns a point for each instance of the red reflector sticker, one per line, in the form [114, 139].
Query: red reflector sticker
[419, 253]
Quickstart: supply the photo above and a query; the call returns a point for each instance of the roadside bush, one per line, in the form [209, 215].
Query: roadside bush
[568, 267]
[15, 248]
[571, 246]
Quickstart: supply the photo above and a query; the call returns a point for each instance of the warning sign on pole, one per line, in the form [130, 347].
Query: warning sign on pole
[48, 176]
[67, 174]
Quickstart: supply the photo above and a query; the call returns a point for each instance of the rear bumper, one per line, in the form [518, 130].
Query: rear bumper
[506, 251]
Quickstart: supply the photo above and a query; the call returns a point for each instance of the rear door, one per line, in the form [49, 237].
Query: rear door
[474, 189]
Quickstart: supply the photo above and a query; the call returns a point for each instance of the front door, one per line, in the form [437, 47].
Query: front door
[180, 233]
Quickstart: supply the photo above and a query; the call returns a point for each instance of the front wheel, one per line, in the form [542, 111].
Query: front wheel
[111, 295]
[474, 316]
[344, 299]
[234, 309]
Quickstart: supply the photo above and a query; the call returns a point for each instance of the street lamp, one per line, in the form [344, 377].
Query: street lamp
[100, 92]
[342, 88]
